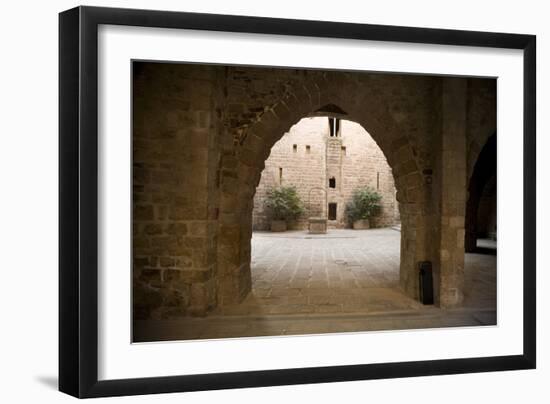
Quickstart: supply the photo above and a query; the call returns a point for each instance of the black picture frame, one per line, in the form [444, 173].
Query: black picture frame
[78, 201]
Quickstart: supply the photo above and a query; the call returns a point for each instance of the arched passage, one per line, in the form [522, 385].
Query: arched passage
[383, 117]
[484, 173]
[336, 270]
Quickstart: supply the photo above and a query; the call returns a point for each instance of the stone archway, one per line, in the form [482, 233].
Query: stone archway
[484, 171]
[384, 120]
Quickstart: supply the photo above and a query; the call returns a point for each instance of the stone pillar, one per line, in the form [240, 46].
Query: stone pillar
[407, 263]
[452, 192]
[239, 177]
[235, 228]
[414, 209]
[470, 240]
[174, 222]
[417, 234]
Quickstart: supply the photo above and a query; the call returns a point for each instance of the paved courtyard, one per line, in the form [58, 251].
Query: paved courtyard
[342, 271]
[346, 280]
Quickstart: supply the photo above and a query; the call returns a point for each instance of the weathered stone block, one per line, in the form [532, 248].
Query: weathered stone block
[167, 261]
[179, 229]
[152, 229]
[317, 225]
[143, 212]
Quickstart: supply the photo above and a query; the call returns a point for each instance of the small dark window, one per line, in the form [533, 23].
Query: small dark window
[280, 175]
[334, 127]
[295, 148]
[344, 151]
[332, 211]
[308, 149]
[332, 182]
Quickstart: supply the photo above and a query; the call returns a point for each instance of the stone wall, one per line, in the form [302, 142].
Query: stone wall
[174, 222]
[307, 157]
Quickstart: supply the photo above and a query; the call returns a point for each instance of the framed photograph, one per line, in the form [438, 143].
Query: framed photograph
[251, 201]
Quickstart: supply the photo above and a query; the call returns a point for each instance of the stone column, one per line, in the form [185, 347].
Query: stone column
[174, 243]
[408, 259]
[417, 235]
[470, 241]
[452, 192]
[234, 236]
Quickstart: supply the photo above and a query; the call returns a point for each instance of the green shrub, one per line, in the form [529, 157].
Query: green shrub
[283, 203]
[364, 204]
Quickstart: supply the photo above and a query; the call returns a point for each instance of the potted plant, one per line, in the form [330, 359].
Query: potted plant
[364, 204]
[283, 204]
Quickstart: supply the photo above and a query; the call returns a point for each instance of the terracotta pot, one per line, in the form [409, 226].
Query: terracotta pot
[278, 225]
[361, 224]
